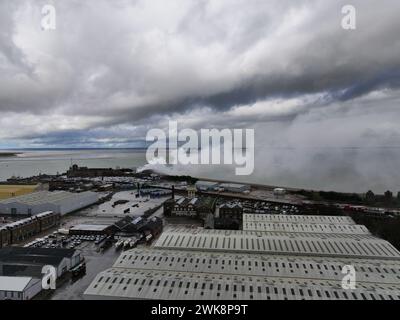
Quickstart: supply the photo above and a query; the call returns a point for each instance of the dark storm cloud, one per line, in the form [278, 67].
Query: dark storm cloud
[108, 60]
[114, 69]
[387, 79]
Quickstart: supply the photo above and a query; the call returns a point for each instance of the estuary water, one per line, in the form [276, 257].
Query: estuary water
[336, 169]
[33, 162]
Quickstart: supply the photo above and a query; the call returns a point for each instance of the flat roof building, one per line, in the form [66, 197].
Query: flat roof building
[61, 202]
[90, 229]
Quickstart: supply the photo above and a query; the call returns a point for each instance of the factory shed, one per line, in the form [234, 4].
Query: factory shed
[17, 261]
[238, 264]
[19, 288]
[305, 261]
[305, 228]
[139, 225]
[297, 219]
[176, 275]
[150, 284]
[61, 202]
[286, 243]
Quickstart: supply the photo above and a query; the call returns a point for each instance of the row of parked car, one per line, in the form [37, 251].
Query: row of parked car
[78, 239]
[49, 241]
[54, 240]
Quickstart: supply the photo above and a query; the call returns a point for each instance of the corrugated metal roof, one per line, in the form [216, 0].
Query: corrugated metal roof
[341, 245]
[379, 271]
[166, 285]
[305, 227]
[303, 262]
[297, 219]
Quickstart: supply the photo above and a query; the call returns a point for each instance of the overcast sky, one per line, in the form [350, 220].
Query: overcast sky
[114, 69]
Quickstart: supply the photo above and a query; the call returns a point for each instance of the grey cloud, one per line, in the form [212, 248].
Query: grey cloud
[91, 40]
[114, 69]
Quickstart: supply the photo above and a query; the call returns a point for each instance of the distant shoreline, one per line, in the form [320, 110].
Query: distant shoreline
[9, 154]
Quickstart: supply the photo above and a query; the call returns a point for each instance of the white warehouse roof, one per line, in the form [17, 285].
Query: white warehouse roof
[305, 227]
[341, 245]
[379, 271]
[45, 197]
[292, 257]
[61, 202]
[163, 285]
[297, 219]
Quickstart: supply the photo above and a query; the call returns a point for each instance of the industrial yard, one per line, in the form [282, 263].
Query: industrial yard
[200, 234]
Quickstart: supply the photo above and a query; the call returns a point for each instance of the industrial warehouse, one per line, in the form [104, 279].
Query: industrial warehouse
[17, 261]
[336, 220]
[303, 261]
[21, 269]
[19, 288]
[315, 244]
[61, 202]
[308, 224]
